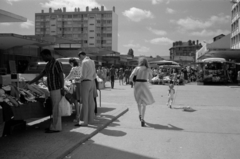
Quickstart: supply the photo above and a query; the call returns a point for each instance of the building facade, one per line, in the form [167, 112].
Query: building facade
[184, 53]
[235, 32]
[97, 28]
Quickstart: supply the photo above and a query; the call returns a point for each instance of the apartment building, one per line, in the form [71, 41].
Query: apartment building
[184, 52]
[235, 32]
[95, 28]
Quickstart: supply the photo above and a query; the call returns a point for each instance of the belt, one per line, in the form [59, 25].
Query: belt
[140, 80]
[86, 80]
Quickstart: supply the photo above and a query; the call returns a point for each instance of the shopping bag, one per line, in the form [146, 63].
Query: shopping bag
[65, 107]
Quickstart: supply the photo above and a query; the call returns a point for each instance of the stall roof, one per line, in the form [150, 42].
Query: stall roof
[226, 54]
[53, 39]
[14, 40]
[6, 17]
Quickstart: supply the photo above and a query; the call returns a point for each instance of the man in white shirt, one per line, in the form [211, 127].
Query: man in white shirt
[88, 75]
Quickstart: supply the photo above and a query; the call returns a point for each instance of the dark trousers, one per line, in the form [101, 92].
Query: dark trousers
[112, 81]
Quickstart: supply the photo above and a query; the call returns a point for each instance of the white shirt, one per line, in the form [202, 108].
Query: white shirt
[88, 71]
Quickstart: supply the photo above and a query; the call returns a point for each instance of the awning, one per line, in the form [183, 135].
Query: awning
[6, 17]
[226, 54]
[8, 41]
[53, 39]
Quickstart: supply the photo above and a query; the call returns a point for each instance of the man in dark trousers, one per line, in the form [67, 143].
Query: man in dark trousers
[112, 75]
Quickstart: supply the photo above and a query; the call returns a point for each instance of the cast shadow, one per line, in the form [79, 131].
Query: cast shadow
[115, 133]
[104, 110]
[164, 127]
[185, 109]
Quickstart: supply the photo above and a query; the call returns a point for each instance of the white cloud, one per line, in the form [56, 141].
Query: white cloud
[156, 1]
[157, 32]
[170, 11]
[5, 24]
[162, 41]
[27, 24]
[192, 24]
[136, 14]
[211, 33]
[11, 1]
[71, 4]
[137, 47]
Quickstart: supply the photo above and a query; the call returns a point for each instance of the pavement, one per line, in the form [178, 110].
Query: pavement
[34, 143]
[209, 131]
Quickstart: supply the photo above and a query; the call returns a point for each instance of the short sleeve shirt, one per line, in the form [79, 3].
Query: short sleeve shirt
[53, 70]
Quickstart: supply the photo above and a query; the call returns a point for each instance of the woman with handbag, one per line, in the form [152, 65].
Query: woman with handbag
[142, 94]
[74, 75]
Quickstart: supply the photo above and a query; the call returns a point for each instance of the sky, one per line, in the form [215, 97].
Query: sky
[149, 27]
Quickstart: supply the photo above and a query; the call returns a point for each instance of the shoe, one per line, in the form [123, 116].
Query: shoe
[170, 106]
[81, 125]
[47, 129]
[52, 131]
[143, 123]
[140, 117]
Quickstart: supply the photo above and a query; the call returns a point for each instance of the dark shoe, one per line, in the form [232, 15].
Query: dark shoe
[140, 117]
[47, 129]
[143, 123]
[52, 131]
[80, 125]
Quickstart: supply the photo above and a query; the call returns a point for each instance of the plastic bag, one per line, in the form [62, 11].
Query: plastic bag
[65, 107]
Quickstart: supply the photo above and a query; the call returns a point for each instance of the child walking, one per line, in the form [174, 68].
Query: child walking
[170, 94]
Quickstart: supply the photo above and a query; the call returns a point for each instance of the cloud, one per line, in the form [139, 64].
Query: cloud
[192, 24]
[170, 11]
[71, 4]
[5, 24]
[157, 32]
[211, 33]
[157, 1]
[136, 14]
[161, 41]
[137, 47]
[11, 1]
[27, 24]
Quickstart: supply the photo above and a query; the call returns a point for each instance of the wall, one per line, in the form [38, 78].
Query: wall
[114, 32]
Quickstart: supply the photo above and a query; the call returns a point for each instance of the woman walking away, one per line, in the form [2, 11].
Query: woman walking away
[171, 94]
[74, 75]
[142, 94]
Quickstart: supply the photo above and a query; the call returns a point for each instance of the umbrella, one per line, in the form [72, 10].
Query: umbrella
[164, 62]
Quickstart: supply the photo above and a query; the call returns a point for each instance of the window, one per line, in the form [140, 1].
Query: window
[98, 35]
[91, 37]
[98, 21]
[109, 21]
[91, 24]
[85, 41]
[91, 44]
[109, 35]
[53, 25]
[69, 16]
[91, 31]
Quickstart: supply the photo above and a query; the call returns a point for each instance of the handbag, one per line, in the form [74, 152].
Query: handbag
[65, 108]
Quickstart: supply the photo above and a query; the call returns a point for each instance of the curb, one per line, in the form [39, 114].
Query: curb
[63, 152]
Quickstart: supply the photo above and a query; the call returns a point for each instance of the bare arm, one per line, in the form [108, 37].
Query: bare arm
[37, 78]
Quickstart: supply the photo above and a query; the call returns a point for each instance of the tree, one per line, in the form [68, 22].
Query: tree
[131, 52]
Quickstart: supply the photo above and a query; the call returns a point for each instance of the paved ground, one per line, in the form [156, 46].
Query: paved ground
[35, 144]
[211, 130]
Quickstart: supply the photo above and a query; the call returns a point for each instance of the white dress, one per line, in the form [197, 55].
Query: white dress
[142, 93]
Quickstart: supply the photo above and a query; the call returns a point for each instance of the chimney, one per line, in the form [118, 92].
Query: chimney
[78, 9]
[113, 9]
[197, 42]
[42, 11]
[102, 8]
[64, 9]
[87, 9]
[50, 10]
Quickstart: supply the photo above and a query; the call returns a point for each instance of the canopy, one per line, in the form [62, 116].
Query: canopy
[170, 66]
[164, 62]
[8, 41]
[214, 60]
[10, 17]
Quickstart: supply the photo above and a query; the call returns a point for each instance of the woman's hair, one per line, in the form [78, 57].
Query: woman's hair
[143, 62]
[74, 61]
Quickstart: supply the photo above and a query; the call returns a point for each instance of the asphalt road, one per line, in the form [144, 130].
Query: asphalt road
[210, 131]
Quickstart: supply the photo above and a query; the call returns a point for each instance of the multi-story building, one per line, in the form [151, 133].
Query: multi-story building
[184, 52]
[92, 29]
[235, 31]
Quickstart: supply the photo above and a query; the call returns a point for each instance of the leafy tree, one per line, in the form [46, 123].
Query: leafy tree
[131, 52]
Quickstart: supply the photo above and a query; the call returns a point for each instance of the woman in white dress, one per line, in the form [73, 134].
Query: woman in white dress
[74, 75]
[142, 94]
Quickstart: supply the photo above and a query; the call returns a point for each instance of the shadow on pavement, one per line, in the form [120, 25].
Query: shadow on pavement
[104, 109]
[163, 127]
[115, 133]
